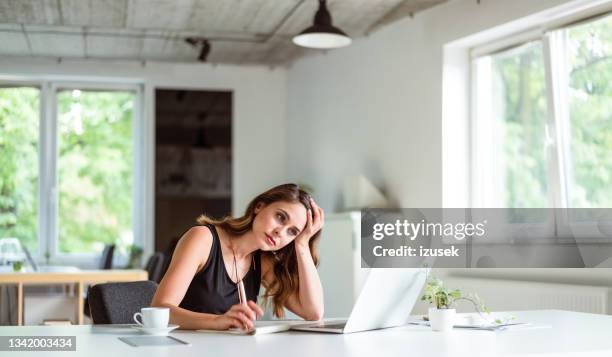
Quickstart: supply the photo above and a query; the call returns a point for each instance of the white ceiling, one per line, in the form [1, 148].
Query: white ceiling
[240, 31]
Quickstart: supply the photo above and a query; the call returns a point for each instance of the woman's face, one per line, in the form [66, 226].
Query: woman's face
[277, 224]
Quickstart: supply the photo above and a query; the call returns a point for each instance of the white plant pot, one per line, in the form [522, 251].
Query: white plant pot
[441, 319]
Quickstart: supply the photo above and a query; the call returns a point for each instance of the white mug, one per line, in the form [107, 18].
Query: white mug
[153, 317]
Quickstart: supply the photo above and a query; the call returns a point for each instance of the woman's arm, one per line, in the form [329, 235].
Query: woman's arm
[190, 255]
[308, 302]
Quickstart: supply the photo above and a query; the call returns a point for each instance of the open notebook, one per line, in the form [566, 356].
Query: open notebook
[474, 321]
[261, 327]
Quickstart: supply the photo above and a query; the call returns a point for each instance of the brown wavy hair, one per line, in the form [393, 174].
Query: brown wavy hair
[285, 265]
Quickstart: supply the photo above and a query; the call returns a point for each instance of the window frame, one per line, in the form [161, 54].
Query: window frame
[553, 36]
[48, 200]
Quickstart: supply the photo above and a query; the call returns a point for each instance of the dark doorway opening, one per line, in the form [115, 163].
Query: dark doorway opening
[193, 162]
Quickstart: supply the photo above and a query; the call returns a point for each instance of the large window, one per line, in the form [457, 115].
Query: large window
[68, 167]
[588, 58]
[543, 120]
[95, 169]
[19, 147]
[512, 118]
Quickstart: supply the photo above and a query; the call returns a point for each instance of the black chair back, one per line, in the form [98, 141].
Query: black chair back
[116, 303]
[155, 266]
[106, 260]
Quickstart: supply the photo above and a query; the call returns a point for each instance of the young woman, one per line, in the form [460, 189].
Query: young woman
[273, 244]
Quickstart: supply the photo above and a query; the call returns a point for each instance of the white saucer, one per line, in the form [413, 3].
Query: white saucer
[155, 331]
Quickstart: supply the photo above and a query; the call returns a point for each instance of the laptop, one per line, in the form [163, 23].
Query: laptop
[386, 300]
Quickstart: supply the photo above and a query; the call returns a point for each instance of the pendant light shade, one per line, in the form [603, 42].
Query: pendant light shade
[322, 34]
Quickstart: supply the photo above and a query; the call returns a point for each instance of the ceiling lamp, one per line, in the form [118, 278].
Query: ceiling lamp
[322, 34]
[200, 42]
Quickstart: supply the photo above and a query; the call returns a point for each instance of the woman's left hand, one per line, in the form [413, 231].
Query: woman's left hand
[315, 219]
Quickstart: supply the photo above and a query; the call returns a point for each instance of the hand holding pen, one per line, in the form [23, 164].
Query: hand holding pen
[240, 315]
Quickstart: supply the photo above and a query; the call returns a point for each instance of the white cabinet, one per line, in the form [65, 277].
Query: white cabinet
[340, 262]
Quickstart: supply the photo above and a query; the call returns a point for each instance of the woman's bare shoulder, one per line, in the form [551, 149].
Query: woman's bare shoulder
[197, 235]
[196, 244]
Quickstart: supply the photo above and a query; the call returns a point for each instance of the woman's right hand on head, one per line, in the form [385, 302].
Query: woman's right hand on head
[239, 316]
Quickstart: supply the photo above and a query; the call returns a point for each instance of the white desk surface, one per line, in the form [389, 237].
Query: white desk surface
[568, 334]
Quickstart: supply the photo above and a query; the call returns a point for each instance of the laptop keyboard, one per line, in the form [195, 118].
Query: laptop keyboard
[339, 326]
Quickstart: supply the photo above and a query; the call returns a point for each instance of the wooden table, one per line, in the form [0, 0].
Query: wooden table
[79, 278]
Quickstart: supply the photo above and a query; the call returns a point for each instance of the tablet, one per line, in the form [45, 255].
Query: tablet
[140, 341]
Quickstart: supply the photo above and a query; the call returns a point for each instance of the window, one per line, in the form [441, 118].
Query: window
[512, 118]
[588, 57]
[69, 163]
[95, 169]
[19, 146]
[543, 120]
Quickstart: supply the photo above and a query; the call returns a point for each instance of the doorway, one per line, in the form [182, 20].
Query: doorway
[193, 160]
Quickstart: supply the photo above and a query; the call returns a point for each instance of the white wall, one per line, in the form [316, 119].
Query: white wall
[259, 97]
[376, 107]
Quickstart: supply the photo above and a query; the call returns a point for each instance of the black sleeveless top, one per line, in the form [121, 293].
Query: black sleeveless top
[212, 291]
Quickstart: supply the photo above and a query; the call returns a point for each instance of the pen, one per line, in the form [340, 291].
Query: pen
[242, 293]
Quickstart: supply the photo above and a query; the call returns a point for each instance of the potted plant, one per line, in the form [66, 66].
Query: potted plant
[135, 257]
[442, 313]
[18, 266]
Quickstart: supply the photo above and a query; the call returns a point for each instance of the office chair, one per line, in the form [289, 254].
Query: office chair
[116, 303]
[155, 266]
[106, 259]
[105, 263]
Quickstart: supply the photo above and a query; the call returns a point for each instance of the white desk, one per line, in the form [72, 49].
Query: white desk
[571, 334]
